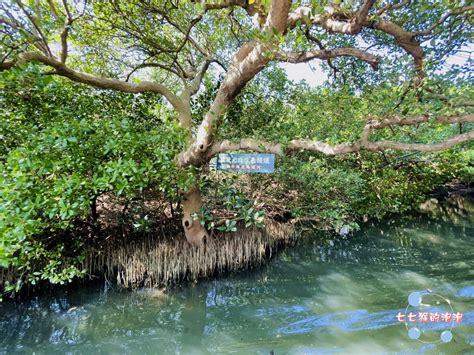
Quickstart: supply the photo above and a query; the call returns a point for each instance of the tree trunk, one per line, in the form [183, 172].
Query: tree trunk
[192, 203]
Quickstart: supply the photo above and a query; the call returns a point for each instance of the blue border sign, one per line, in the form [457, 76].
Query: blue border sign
[246, 163]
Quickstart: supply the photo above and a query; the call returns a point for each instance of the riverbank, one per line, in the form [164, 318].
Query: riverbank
[163, 259]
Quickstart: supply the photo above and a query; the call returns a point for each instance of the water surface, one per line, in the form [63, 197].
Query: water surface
[331, 296]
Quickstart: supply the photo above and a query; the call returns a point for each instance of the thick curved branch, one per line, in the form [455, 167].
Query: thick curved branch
[279, 149]
[406, 40]
[99, 82]
[416, 147]
[300, 57]
[339, 21]
[65, 31]
[64, 34]
[251, 9]
[7, 64]
[414, 120]
[362, 144]
[277, 20]
[361, 16]
[191, 89]
[334, 20]
[337, 149]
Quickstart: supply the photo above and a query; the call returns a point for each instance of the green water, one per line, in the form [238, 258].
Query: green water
[321, 297]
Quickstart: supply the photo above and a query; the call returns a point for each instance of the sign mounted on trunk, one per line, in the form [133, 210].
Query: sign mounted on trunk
[245, 163]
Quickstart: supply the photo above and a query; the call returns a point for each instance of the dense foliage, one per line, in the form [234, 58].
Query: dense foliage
[63, 146]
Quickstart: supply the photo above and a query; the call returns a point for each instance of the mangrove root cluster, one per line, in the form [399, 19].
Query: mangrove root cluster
[159, 260]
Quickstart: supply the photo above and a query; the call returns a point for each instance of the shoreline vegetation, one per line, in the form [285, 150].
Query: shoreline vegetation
[79, 192]
[157, 260]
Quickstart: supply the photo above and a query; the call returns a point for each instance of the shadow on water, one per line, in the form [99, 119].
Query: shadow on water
[328, 296]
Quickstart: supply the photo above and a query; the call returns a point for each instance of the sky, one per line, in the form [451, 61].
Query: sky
[311, 72]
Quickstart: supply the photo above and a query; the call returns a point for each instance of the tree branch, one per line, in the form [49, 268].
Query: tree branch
[65, 32]
[14, 24]
[223, 4]
[186, 32]
[321, 46]
[7, 64]
[334, 20]
[406, 40]
[190, 90]
[352, 24]
[441, 20]
[362, 144]
[279, 149]
[35, 26]
[154, 65]
[390, 7]
[193, 87]
[361, 16]
[100, 82]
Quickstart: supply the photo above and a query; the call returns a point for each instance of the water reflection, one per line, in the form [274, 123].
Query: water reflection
[323, 296]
